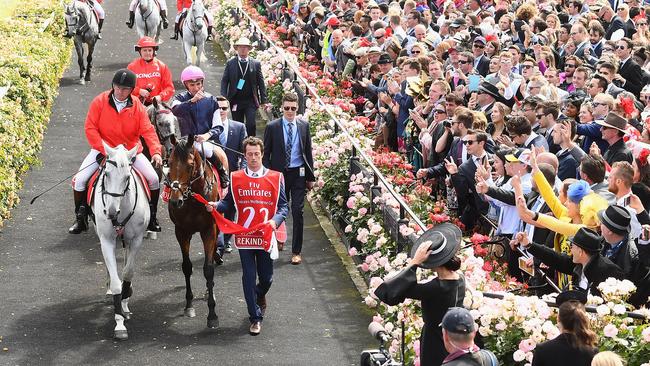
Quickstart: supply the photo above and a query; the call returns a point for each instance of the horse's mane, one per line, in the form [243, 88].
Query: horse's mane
[183, 149]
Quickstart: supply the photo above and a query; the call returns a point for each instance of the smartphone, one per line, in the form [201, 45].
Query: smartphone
[474, 81]
[518, 24]
[526, 268]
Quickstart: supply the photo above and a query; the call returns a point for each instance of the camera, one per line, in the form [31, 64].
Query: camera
[518, 25]
[446, 123]
[375, 357]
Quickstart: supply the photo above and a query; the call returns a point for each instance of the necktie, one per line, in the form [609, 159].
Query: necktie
[289, 143]
[254, 175]
[223, 138]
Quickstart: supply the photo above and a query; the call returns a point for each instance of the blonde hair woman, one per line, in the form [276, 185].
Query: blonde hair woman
[607, 358]
[498, 125]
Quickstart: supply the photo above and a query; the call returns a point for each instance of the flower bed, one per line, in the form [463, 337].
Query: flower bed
[31, 63]
[511, 326]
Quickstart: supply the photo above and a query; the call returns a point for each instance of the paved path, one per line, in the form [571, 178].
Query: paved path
[54, 311]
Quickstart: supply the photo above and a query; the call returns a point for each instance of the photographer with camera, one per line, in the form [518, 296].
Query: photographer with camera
[436, 250]
[458, 332]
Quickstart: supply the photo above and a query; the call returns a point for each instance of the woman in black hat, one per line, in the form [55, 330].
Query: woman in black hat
[436, 250]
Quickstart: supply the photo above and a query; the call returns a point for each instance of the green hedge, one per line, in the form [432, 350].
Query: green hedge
[32, 63]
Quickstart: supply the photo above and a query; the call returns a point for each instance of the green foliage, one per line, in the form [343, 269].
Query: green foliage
[31, 63]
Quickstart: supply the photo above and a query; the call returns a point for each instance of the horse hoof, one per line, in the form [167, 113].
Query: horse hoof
[127, 315]
[82, 82]
[190, 312]
[121, 335]
[213, 323]
[152, 235]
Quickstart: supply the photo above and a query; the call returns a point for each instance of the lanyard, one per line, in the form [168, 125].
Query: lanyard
[243, 72]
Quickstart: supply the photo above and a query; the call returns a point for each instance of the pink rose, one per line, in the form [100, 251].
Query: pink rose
[364, 267]
[352, 252]
[416, 348]
[363, 211]
[526, 345]
[646, 335]
[610, 331]
[352, 201]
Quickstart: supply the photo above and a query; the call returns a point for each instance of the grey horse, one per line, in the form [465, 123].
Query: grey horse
[195, 32]
[82, 26]
[148, 20]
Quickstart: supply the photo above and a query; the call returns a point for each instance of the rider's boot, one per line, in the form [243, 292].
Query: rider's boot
[209, 32]
[153, 209]
[101, 24]
[175, 35]
[223, 175]
[131, 19]
[81, 213]
[163, 16]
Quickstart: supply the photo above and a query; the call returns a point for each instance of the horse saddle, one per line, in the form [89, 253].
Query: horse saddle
[92, 183]
[181, 21]
[92, 7]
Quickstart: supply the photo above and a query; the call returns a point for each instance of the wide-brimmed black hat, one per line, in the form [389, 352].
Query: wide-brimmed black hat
[575, 295]
[445, 241]
[492, 90]
[384, 58]
[587, 239]
[616, 218]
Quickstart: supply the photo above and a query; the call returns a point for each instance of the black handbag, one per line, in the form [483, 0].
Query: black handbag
[393, 291]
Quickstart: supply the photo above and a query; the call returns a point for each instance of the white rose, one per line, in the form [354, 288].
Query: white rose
[518, 356]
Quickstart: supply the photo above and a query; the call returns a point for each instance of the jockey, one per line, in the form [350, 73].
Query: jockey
[181, 7]
[198, 115]
[154, 78]
[115, 118]
[163, 13]
[95, 4]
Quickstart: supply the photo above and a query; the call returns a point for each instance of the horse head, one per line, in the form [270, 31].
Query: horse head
[71, 15]
[144, 6]
[197, 12]
[185, 168]
[116, 178]
[166, 124]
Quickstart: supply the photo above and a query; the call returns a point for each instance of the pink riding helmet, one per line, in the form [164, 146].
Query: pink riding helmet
[192, 73]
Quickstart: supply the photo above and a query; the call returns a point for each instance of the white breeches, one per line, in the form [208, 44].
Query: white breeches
[206, 149]
[141, 163]
[99, 9]
[134, 4]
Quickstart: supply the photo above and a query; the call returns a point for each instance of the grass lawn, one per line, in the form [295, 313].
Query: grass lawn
[7, 8]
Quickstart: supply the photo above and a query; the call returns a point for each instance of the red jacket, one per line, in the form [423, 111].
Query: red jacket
[183, 4]
[155, 75]
[104, 123]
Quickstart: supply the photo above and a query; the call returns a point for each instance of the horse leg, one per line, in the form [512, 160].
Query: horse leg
[199, 52]
[184, 242]
[209, 246]
[89, 59]
[127, 273]
[187, 48]
[108, 251]
[79, 47]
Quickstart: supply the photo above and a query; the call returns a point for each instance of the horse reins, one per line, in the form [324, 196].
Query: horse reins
[187, 193]
[117, 225]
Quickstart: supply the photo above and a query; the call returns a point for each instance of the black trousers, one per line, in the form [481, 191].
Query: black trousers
[295, 187]
[245, 113]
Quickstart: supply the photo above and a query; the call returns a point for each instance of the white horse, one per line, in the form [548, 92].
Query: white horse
[121, 211]
[147, 19]
[195, 32]
[82, 25]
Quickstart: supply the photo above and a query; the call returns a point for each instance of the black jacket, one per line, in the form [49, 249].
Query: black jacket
[274, 147]
[558, 352]
[618, 152]
[633, 75]
[626, 257]
[231, 76]
[470, 204]
[616, 24]
[568, 165]
[596, 271]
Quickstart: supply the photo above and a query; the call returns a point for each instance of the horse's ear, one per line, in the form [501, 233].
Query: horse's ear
[190, 141]
[133, 153]
[109, 150]
[172, 139]
[154, 102]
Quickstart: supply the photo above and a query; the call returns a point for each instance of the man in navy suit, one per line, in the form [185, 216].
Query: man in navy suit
[629, 72]
[288, 150]
[232, 142]
[481, 62]
[243, 85]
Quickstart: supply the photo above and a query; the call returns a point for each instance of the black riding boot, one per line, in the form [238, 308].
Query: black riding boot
[101, 24]
[81, 213]
[131, 19]
[175, 35]
[209, 32]
[163, 15]
[153, 209]
[223, 175]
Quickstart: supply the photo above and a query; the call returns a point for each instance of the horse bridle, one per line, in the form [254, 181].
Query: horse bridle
[187, 193]
[78, 16]
[144, 18]
[119, 225]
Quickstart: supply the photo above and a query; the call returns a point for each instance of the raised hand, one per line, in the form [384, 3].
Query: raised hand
[451, 166]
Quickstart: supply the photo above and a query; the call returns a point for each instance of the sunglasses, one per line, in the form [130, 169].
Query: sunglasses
[640, 24]
[528, 66]
[416, 52]
[440, 111]
[596, 104]
[223, 108]
[478, 45]
[621, 47]
[359, 57]
[570, 65]
[464, 62]
[539, 116]
[379, 37]
[290, 108]
[468, 142]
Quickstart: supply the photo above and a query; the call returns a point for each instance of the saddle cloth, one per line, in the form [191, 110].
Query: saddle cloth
[92, 183]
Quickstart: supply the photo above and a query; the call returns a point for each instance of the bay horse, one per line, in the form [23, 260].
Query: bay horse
[147, 19]
[194, 32]
[121, 210]
[82, 26]
[188, 174]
